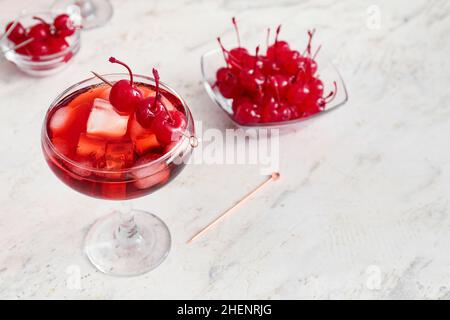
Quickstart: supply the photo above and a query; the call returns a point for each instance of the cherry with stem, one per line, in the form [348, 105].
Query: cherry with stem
[114, 60]
[230, 60]
[124, 95]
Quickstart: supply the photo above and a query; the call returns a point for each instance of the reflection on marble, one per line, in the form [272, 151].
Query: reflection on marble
[361, 211]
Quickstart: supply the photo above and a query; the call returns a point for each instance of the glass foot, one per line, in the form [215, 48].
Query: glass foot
[127, 245]
[94, 13]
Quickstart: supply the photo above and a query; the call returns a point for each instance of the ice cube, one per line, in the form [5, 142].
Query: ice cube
[90, 147]
[60, 121]
[152, 174]
[68, 123]
[105, 122]
[84, 98]
[145, 143]
[135, 129]
[119, 155]
[143, 139]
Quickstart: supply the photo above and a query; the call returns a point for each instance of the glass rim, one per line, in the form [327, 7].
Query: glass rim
[267, 125]
[45, 136]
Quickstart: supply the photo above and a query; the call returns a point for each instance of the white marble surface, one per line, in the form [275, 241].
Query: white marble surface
[362, 210]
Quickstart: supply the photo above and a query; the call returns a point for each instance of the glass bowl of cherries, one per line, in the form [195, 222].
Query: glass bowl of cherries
[280, 88]
[41, 44]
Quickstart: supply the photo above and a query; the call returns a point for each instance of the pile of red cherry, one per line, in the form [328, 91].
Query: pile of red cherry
[151, 113]
[47, 38]
[279, 86]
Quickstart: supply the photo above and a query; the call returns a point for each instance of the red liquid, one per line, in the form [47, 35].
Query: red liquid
[105, 152]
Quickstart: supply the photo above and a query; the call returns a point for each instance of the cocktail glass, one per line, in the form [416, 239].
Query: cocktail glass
[126, 242]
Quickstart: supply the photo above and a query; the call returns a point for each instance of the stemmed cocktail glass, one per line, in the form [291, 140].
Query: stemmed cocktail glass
[125, 242]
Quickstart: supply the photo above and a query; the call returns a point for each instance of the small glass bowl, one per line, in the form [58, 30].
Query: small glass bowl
[44, 65]
[212, 60]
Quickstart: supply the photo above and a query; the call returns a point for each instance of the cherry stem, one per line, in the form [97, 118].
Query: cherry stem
[332, 94]
[310, 35]
[227, 56]
[277, 33]
[233, 20]
[41, 20]
[114, 60]
[317, 52]
[156, 76]
[256, 58]
[158, 95]
[224, 51]
[276, 41]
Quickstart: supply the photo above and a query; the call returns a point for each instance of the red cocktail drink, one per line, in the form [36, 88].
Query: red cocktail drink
[107, 154]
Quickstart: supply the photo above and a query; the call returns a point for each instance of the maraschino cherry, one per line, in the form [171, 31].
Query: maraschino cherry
[124, 95]
[38, 48]
[252, 78]
[317, 103]
[40, 31]
[298, 92]
[248, 112]
[148, 108]
[17, 34]
[168, 125]
[278, 49]
[64, 25]
[228, 82]
[57, 44]
[237, 54]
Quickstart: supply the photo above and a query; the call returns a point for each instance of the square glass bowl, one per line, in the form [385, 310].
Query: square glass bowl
[212, 60]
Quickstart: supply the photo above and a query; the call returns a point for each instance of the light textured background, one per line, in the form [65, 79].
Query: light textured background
[362, 210]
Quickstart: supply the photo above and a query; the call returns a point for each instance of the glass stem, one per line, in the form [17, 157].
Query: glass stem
[127, 232]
